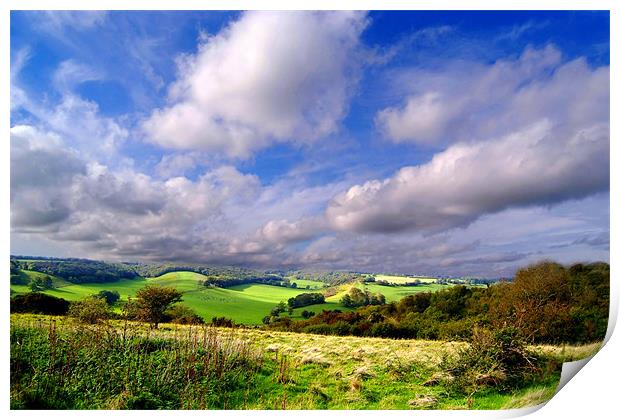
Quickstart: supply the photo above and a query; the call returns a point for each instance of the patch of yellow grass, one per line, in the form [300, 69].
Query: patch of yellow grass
[568, 352]
[530, 399]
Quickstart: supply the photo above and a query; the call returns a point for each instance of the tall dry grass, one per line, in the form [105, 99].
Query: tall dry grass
[59, 365]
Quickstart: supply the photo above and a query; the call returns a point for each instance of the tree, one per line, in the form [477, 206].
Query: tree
[41, 283]
[536, 302]
[110, 296]
[153, 301]
[91, 310]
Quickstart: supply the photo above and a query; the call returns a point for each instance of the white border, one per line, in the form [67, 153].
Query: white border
[593, 394]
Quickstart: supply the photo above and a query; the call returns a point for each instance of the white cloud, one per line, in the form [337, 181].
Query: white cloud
[42, 171]
[176, 164]
[71, 73]
[270, 76]
[114, 213]
[541, 164]
[18, 62]
[282, 231]
[464, 101]
[61, 20]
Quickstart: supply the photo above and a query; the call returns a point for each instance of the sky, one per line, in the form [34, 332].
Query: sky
[432, 143]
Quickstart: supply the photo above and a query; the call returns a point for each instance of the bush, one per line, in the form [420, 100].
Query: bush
[39, 303]
[181, 314]
[222, 322]
[497, 359]
[307, 314]
[90, 310]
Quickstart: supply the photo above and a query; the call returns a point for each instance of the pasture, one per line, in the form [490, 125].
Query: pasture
[404, 279]
[245, 304]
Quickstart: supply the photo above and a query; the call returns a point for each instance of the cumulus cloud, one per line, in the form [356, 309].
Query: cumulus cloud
[541, 164]
[269, 76]
[79, 122]
[176, 164]
[282, 231]
[41, 170]
[125, 213]
[531, 131]
[464, 101]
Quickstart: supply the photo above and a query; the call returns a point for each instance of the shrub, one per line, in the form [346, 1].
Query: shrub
[497, 358]
[307, 314]
[90, 310]
[222, 322]
[181, 314]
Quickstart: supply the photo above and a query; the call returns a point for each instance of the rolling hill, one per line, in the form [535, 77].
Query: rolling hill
[244, 303]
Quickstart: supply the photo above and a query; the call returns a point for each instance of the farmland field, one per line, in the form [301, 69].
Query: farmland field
[246, 304]
[312, 284]
[404, 279]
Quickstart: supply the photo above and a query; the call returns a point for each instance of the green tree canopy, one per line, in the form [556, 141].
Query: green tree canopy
[153, 301]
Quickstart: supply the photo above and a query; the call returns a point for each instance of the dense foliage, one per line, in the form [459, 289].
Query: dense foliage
[151, 304]
[306, 299]
[90, 310]
[546, 302]
[157, 269]
[110, 296]
[39, 303]
[77, 270]
[357, 298]
[225, 282]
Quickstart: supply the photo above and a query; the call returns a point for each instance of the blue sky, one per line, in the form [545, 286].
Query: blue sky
[466, 143]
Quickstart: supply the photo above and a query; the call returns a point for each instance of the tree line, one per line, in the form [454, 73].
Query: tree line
[546, 303]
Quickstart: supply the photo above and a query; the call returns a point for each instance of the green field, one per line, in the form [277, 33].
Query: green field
[404, 279]
[246, 304]
[171, 369]
[313, 284]
[395, 293]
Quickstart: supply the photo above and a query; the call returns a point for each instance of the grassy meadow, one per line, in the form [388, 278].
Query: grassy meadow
[246, 304]
[57, 363]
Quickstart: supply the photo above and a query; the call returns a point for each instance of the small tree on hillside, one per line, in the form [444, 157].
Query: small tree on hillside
[152, 302]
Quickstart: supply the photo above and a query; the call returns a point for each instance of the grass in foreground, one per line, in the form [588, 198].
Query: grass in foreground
[56, 363]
